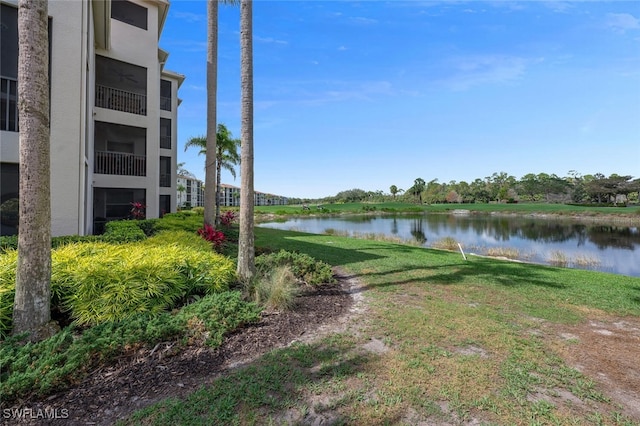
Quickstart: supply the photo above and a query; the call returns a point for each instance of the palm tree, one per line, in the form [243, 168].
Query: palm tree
[417, 188]
[246, 249]
[226, 157]
[31, 309]
[212, 92]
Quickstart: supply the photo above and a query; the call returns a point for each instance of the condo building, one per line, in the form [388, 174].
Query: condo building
[113, 114]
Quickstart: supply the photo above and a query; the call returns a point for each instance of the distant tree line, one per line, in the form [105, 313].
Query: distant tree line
[504, 188]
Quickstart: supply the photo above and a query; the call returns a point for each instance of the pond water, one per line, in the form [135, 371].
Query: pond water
[551, 241]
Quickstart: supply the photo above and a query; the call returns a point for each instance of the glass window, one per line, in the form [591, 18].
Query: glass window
[165, 172]
[165, 133]
[165, 95]
[129, 13]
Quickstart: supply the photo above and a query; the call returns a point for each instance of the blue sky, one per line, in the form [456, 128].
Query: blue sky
[369, 94]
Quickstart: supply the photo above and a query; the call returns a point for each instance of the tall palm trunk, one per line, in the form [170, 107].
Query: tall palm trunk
[246, 249]
[31, 309]
[212, 91]
[218, 190]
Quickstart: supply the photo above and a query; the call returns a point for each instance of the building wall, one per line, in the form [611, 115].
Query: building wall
[75, 31]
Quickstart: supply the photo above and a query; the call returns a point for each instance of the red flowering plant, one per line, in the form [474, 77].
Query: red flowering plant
[212, 235]
[227, 218]
[137, 210]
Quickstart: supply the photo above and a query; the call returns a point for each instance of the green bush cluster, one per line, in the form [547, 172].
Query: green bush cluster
[60, 360]
[97, 281]
[303, 266]
[122, 231]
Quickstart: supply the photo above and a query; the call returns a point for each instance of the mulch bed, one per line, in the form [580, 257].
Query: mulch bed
[135, 381]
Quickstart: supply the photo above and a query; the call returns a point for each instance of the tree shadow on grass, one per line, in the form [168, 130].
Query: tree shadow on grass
[294, 385]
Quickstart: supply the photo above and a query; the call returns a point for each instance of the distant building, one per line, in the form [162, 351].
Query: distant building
[230, 197]
[190, 192]
[113, 113]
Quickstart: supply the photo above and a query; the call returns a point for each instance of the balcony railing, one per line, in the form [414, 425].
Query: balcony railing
[119, 163]
[121, 100]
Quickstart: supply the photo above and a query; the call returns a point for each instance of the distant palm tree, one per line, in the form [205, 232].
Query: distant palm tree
[246, 248]
[226, 157]
[31, 306]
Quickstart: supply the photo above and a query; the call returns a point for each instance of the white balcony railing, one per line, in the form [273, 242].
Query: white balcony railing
[121, 100]
[119, 163]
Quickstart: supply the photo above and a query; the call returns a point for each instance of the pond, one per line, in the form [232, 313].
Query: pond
[550, 241]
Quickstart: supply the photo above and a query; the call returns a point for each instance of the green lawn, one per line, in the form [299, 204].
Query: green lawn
[460, 342]
[522, 208]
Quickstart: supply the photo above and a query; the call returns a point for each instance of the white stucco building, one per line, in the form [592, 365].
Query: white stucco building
[190, 192]
[113, 113]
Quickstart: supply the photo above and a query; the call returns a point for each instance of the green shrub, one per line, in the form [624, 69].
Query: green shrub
[198, 211]
[179, 222]
[9, 242]
[148, 226]
[43, 367]
[123, 231]
[211, 317]
[303, 266]
[8, 264]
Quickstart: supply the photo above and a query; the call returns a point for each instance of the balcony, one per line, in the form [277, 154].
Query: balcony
[121, 100]
[120, 163]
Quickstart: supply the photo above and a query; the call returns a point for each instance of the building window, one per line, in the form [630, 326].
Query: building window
[9, 183]
[129, 13]
[8, 105]
[165, 133]
[165, 172]
[165, 205]
[8, 68]
[165, 95]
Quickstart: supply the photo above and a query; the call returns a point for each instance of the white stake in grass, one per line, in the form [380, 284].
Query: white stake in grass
[465, 257]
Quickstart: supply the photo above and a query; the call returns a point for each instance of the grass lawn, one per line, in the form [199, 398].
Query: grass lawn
[522, 208]
[443, 341]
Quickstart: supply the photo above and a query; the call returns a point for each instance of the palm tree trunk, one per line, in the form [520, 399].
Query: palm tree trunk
[31, 309]
[218, 189]
[212, 90]
[246, 249]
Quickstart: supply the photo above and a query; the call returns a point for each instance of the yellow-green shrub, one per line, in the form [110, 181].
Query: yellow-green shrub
[8, 263]
[97, 282]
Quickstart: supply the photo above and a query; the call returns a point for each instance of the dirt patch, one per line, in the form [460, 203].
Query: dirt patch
[605, 349]
[152, 374]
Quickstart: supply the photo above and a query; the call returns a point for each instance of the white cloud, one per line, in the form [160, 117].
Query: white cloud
[342, 48]
[471, 71]
[270, 40]
[363, 21]
[622, 22]
[190, 17]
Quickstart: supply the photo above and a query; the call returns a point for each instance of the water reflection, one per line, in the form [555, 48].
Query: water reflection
[614, 247]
